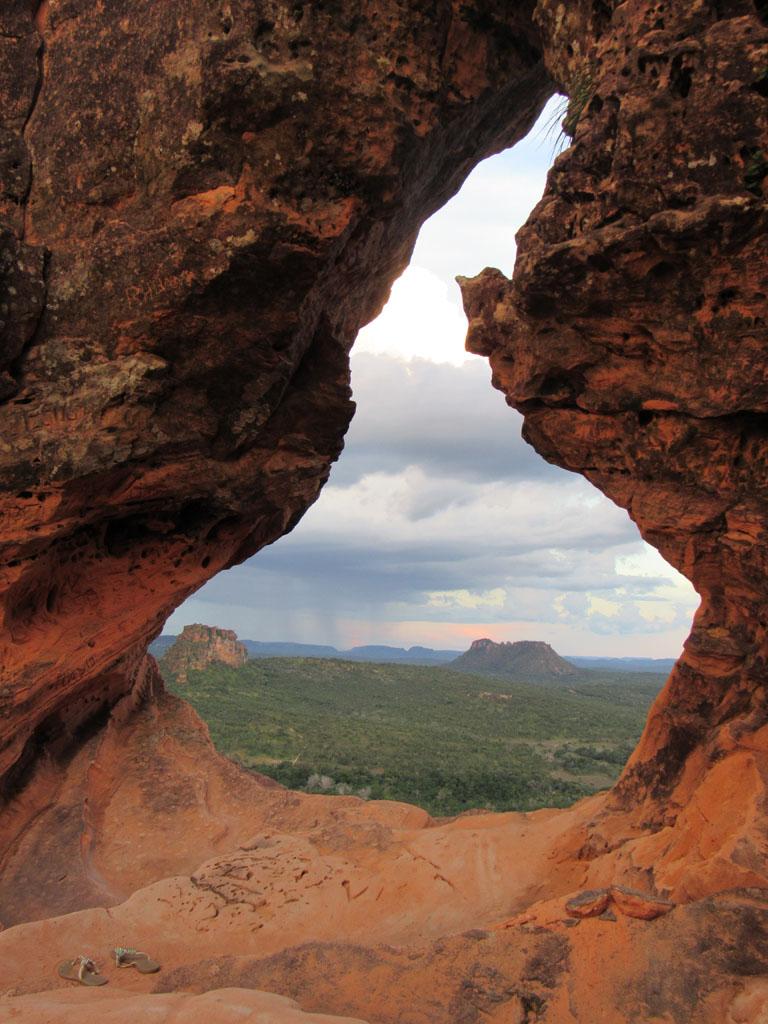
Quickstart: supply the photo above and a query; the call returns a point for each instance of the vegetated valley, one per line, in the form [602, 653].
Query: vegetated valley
[426, 735]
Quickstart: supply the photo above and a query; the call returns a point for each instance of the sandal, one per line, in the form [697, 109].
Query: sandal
[134, 958]
[82, 969]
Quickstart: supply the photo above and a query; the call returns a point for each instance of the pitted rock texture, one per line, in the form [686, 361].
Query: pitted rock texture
[208, 199]
[198, 646]
[193, 226]
[633, 337]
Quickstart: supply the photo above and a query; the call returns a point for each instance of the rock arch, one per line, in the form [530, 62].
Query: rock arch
[199, 209]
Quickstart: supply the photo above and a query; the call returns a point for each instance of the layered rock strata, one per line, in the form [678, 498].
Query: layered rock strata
[201, 206]
[633, 337]
[198, 646]
[193, 226]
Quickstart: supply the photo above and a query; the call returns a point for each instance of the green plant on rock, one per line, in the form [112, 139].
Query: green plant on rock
[760, 85]
[580, 90]
[755, 170]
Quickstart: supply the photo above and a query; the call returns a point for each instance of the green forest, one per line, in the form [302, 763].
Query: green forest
[426, 735]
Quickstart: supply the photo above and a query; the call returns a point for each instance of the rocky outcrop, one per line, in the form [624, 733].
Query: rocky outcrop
[524, 660]
[198, 646]
[192, 228]
[603, 903]
[195, 229]
[633, 339]
[362, 912]
[143, 795]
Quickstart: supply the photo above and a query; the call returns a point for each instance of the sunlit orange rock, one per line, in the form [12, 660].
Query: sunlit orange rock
[633, 339]
[640, 905]
[199, 206]
[590, 903]
[223, 1006]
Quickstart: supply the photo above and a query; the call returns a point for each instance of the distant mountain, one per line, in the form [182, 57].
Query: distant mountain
[524, 661]
[410, 656]
[257, 649]
[199, 646]
[160, 644]
[413, 655]
[662, 666]
[373, 652]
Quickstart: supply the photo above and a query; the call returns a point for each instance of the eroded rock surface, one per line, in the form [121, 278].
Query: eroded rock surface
[198, 646]
[193, 226]
[633, 337]
[207, 201]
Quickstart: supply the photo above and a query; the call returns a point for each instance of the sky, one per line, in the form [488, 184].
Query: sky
[439, 524]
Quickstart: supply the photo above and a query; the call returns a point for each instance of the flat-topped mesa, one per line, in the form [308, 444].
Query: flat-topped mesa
[522, 660]
[198, 646]
[200, 204]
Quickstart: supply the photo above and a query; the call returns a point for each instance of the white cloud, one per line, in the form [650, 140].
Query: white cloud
[423, 319]
[647, 562]
[675, 596]
[601, 606]
[466, 598]
[477, 228]
[417, 509]
[439, 523]
[657, 611]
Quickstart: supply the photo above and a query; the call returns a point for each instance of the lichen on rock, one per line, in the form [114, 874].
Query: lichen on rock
[632, 337]
[193, 227]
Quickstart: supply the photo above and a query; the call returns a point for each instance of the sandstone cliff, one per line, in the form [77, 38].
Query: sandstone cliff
[193, 226]
[198, 646]
[196, 228]
[633, 338]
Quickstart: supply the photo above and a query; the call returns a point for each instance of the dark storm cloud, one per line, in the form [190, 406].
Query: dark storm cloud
[362, 544]
[439, 511]
[436, 415]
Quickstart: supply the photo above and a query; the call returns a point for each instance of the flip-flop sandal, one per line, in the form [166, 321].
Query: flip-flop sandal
[82, 969]
[143, 963]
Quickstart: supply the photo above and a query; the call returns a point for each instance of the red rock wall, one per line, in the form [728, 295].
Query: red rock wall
[633, 337]
[207, 201]
[193, 225]
[194, 228]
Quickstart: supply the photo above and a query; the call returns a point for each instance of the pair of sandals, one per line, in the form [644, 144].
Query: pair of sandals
[83, 969]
